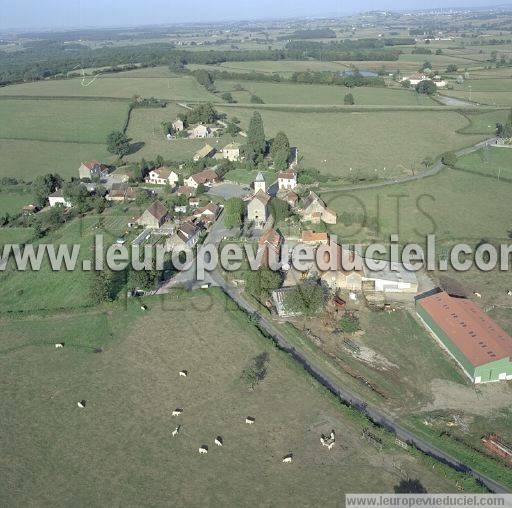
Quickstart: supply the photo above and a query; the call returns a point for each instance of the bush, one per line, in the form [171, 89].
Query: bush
[449, 159]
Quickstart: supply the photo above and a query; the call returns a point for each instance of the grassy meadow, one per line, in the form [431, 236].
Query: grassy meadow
[119, 449]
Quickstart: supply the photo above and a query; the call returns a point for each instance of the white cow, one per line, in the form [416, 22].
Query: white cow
[288, 458]
[250, 420]
[203, 450]
[81, 404]
[478, 295]
[331, 444]
[183, 373]
[59, 344]
[176, 430]
[219, 441]
[143, 307]
[177, 412]
[509, 292]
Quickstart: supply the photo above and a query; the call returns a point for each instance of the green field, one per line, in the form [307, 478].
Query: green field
[485, 123]
[121, 85]
[119, 450]
[68, 121]
[27, 159]
[15, 235]
[335, 142]
[286, 93]
[12, 201]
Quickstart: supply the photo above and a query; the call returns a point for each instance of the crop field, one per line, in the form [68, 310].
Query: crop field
[26, 159]
[384, 144]
[119, 449]
[121, 85]
[285, 93]
[68, 121]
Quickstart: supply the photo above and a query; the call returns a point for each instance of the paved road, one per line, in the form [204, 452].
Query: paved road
[434, 170]
[376, 415]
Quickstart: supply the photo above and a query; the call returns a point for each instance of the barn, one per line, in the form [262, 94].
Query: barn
[478, 344]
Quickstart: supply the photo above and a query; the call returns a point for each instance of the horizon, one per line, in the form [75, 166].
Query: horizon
[60, 15]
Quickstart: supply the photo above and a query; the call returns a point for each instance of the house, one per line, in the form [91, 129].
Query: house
[57, 199]
[121, 192]
[154, 216]
[206, 151]
[344, 277]
[314, 210]
[269, 245]
[231, 152]
[207, 213]
[287, 180]
[92, 169]
[257, 209]
[312, 238]
[185, 190]
[178, 125]
[200, 132]
[207, 177]
[393, 278]
[291, 198]
[476, 342]
[188, 234]
[162, 176]
[259, 183]
[415, 79]
[441, 83]
[193, 202]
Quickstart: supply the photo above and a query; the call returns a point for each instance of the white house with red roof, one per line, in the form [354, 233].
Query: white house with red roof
[287, 180]
[162, 176]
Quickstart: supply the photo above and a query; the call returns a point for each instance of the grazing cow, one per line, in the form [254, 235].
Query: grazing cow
[183, 373]
[81, 404]
[250, 420]
[288, 458]
[203, 450]
[331, 444]
[509, 292]
[143, 307]
[322, 440]
[59, 344]
[332, 434]
[478, 295]
[176, 430]
[219, 441]
[177, 411]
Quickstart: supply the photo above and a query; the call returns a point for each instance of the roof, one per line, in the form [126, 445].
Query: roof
[185, 189]
[345, 257]
[291, 196]
[163, 172]
[474, 333]
[312, 237]
[232, 146]
[270, 237]
[259, 177]
[312, 198]
[394, 272]
[207, 175]
[287, 175]
[212, 208]
[92, 164]
[57, 194]
[262, 197]
[158, 210]
[204, 152]
[187, 230]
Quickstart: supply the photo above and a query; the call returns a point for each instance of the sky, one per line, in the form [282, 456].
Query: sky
[30, 14]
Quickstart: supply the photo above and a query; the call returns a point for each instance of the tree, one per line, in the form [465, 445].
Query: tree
[144, 279]
[427, 162]
[426, 87]
[226, 96]
[306, 299]
[78, 195]
[349, 100]
[280, 151]
[452, 68]
[201, 189]
[449, 159]
[101, 288]
[279, 209]
[255, 99]
[233, 129]
[43, 186]
[118, 143]
[256, 143]
[256, 371]
[234, 212]
[262, 282]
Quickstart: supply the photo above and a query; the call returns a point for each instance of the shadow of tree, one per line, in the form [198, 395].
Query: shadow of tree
[410, 487]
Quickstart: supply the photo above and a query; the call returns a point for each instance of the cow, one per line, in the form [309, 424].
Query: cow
[59, 345]
[332, 434]
[143, 307]
[219, 441]
[203, 450]
[81, 404]
[331, 444]
[478, 295]
[287, 459]
[250, 420]
[322, 440]
[177, 411]
[509, 292]
[183, 373]
[176, 431]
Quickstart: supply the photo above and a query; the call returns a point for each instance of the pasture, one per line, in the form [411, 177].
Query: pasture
[287, 93]
[119, 449]
[68, 121]
[384, 144]
[13, 200]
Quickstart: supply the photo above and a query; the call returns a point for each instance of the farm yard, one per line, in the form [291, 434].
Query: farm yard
[119, 448]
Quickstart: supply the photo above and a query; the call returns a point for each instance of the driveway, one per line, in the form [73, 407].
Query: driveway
[228, 190]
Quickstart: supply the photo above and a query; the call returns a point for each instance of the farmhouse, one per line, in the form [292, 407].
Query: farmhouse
[185, 190]
[121, 192]
[57, 199]
[154, 216]
[314, 210]
[178, 125]
[200, 132]
[206, 151]
[479, 345]
[162, 176]
[206, 177]
[92, 169]
[344, 278]
[188, 234]
[257, 209]
[415, 79]
[231, 152]
[207, 213]
[287, 180]
[269, 245]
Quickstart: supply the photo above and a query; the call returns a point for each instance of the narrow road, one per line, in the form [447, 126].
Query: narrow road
[376, 415]
[434, 170]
